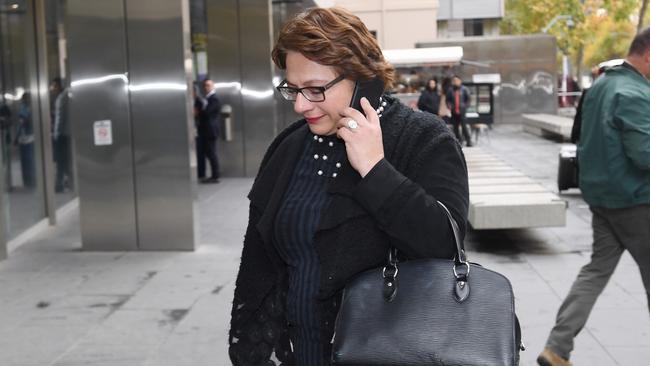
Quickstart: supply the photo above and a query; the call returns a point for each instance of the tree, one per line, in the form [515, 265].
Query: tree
[531, 16]
[601, 29]
[610, 40]
[642, 13]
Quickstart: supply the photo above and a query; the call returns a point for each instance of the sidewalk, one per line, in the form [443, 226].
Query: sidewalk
[63, 307]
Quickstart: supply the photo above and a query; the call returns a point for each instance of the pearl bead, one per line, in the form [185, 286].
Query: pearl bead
[383, 104]
[320, 172]
[324, 157]
[320, 139]
[315, 137]
[338, 165]
[334, 175]
[316, 156]
[331, 143]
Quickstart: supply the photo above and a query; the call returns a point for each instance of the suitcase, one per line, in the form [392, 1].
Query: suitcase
[567, 171]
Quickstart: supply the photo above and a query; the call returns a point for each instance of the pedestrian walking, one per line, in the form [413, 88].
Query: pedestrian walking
[335, 191]
[457, 102]
[614, 158]
[208, 132]
[25, 141]
[429, 100]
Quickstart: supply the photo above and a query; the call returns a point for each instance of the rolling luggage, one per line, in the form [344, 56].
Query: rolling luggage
[567, 171]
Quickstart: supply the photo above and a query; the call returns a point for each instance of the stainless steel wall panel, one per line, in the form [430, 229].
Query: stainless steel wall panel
[224, 58]
[158, 50]
[98, 72]
[283, 11]
[240, 39]
[45, 131]
[259, 114]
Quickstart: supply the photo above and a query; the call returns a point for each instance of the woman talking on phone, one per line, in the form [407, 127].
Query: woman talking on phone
[335, 190]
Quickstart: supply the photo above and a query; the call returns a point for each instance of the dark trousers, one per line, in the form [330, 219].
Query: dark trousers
[457, 120]
[62, 158]
[27, 164]
[614, 231]
[206, 148]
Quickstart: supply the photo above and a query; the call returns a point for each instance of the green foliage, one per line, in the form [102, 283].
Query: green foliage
[611, 40]
[602, 28]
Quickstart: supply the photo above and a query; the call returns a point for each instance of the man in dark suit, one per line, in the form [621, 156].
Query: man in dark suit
[457, 102]
[208, 132]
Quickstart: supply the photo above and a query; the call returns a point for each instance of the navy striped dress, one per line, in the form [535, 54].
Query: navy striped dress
[296, 222]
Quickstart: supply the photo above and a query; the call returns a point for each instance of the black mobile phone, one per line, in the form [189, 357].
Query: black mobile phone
[371, 89]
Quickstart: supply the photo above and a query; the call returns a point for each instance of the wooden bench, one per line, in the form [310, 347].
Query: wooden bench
[504, 198]
[548, 125]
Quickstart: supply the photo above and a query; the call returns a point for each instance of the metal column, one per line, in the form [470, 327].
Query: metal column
[99, 92]
[240, 39]
[160, 67]
[129, 65]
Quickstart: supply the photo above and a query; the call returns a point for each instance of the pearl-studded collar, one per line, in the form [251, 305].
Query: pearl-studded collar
[330, 144]
[324, 155]
[382, 105]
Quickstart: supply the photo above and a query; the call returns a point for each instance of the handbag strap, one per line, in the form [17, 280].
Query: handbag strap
[459, 258]
[461, 289]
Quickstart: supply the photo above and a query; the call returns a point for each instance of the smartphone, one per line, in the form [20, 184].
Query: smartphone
[371, 89]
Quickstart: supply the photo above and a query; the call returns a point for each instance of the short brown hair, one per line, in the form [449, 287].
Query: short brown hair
[640, 43]
[334, 37]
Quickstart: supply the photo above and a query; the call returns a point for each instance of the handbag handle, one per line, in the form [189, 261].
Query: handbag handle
[460, 259]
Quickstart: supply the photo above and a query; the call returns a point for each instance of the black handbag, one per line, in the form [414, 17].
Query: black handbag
[427, 312]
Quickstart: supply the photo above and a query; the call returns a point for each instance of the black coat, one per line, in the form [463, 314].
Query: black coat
[429, 101]
[577, 119]
[209, 117]
[394, 205]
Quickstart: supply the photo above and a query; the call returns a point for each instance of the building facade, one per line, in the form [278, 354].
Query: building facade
[466, 18]
[396, 24]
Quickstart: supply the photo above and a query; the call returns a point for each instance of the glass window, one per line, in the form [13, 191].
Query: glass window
[473, 27]
[20, 132]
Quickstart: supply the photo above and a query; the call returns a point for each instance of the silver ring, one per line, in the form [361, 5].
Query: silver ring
[353, 125]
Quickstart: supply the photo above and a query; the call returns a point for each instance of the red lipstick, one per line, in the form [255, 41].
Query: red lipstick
[313, 120]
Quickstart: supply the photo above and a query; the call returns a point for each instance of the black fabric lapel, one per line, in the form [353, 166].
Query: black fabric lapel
[269, 188]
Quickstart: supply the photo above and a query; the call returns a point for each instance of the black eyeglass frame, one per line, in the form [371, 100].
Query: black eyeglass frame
[320, 89]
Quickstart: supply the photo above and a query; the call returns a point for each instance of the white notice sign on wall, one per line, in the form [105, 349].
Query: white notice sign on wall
[103, 133]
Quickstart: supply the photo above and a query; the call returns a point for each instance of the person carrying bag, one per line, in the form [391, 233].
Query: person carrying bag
[428, 312]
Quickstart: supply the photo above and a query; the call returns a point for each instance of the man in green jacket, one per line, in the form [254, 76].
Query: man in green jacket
[614, 156]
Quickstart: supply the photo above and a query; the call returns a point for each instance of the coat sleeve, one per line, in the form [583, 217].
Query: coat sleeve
[406, 208]
[632, 115]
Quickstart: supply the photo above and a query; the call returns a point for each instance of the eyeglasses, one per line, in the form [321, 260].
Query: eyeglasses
[312, 93]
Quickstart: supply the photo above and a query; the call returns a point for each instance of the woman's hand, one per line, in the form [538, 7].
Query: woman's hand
[364, 144]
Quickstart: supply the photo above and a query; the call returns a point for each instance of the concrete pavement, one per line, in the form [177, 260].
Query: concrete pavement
[60, 306]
